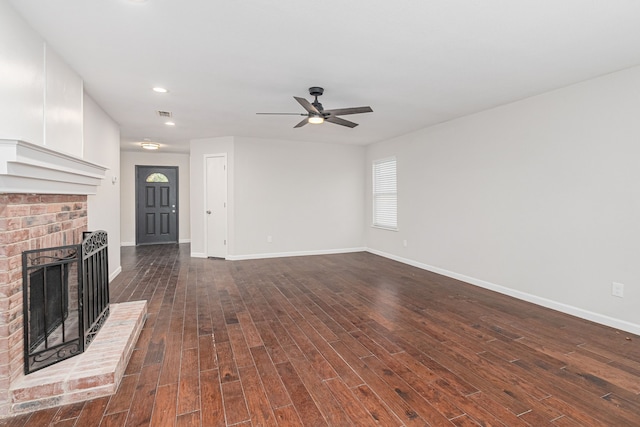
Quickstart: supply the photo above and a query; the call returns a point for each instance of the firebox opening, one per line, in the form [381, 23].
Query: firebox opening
[48, 304]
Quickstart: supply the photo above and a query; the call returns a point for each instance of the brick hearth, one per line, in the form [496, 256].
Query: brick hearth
[95, 373]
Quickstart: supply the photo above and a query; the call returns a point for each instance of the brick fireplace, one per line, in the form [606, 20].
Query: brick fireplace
[30, 221]
[43, 204]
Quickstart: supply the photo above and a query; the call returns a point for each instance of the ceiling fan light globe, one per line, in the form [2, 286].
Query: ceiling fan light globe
[150, 145]
[316, 120]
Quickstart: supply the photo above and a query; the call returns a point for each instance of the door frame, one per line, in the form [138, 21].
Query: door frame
[137, 172]
[204, 207]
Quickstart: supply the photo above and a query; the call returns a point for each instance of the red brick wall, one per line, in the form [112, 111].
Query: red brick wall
[28, 221]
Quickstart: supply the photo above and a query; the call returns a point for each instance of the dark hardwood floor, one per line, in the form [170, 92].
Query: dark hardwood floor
[353, 339]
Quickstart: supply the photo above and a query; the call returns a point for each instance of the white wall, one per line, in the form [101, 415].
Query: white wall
[102, 146]
[539, 199]
[40, 95]
[22, 81]
[307, 196]
[63, 113]
[128, 162]
[42, 101]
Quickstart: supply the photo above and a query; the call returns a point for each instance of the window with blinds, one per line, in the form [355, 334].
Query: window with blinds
[385, 194]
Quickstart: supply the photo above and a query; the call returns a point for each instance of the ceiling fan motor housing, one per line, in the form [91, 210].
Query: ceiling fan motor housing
[316, 91]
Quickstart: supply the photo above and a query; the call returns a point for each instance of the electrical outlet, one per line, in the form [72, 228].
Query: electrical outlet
[404, 243]
[617, 290]
[269, 239]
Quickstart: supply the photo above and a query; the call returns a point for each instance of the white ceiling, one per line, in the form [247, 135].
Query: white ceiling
[415, 62]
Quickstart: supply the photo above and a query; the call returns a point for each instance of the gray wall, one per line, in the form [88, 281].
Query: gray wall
[307, 196]
[539, 199]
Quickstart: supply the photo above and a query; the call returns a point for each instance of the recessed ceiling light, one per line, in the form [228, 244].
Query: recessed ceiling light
[169, 123]
[150, 145]
[160, 89]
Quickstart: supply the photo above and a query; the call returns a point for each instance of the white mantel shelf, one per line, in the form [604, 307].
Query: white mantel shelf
[35, 169]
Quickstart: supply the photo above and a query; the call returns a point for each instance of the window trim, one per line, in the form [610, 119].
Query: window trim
[375, 194]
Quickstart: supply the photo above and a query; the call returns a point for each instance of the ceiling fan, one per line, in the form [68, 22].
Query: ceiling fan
[316, 114]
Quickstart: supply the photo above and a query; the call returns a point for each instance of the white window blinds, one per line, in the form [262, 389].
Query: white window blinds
[385, 194]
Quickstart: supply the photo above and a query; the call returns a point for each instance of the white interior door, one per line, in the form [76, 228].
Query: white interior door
[216, 206]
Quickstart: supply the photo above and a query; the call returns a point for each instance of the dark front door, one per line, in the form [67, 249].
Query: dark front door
[156, 204]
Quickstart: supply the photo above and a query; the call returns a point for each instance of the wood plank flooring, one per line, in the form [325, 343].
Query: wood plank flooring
[350, 340]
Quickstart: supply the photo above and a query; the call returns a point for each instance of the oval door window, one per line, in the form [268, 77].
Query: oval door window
[157, 177]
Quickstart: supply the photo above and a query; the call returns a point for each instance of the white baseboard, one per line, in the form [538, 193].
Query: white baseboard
[115, 274]
[554, 305]
[184, 240]
[297, 253]
[198, 255]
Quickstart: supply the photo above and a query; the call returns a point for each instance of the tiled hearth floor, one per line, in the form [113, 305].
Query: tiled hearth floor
[352, 339]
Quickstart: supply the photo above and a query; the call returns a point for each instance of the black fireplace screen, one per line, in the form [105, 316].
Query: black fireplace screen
[66, 299]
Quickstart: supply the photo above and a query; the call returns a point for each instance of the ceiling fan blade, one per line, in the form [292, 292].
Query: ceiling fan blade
[307, 105]
[282, 114]
[345, 111]
[302, 123]
[339, 121]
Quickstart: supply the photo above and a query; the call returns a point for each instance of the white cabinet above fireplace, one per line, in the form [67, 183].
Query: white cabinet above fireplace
[31, 168]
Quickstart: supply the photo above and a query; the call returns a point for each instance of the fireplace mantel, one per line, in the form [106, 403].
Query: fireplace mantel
[35, 169]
